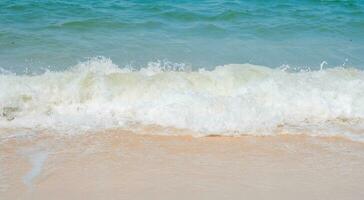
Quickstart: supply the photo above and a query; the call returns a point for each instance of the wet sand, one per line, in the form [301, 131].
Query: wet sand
[124, 165]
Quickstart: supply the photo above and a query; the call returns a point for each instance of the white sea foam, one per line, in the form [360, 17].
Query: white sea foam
[231, 99]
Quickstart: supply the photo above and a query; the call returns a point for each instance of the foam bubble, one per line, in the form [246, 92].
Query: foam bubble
[231, 99]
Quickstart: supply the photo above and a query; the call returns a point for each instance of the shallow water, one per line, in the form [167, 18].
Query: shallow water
[87, 65]
[37, 160]
[58, 34]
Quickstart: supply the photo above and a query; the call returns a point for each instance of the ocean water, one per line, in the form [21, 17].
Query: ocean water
[214, 67]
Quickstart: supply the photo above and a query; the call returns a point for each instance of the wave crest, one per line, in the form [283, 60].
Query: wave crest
[231, 99]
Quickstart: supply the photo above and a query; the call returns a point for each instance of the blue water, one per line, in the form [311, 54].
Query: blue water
[38, 34]
[213, 67]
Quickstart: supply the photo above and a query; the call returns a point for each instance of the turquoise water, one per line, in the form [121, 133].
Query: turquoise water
[212, 67]
[38, 34]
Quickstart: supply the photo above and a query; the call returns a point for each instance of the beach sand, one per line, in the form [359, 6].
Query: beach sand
[118, 164]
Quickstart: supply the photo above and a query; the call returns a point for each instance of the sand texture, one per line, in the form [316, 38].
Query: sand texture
[124, 165]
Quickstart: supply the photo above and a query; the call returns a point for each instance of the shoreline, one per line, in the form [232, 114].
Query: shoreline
[121, 165]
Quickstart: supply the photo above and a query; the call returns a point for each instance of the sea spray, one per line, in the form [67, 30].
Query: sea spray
[229, 100]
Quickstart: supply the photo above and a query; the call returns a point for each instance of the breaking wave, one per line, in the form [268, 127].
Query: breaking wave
[229, 100]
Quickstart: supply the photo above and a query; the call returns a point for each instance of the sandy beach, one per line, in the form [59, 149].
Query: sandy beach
[118, 164]
[176, 100]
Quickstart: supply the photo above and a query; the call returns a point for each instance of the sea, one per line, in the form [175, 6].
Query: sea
[210, 67]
